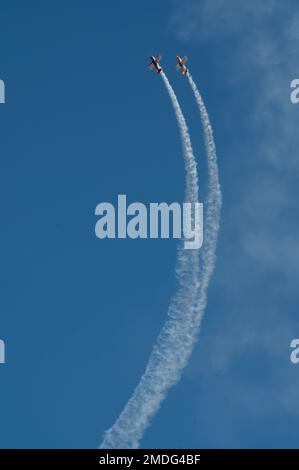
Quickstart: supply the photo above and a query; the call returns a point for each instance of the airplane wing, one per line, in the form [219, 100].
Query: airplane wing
[158, 58]
[178, 66]
[184, 60]
[151, 66]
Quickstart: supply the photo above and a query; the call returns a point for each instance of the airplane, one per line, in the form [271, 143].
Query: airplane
[155, 63]
[181, 64]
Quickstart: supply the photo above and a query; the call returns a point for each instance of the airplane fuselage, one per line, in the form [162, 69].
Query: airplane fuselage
[182, 65]
[179, 60]
[156, 64]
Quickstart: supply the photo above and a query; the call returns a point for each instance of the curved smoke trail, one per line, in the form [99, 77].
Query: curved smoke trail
[175, 341]
[212, 208]
[177, 337]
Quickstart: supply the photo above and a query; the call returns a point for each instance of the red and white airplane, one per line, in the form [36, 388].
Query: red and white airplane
[155, 63]
[181, 64]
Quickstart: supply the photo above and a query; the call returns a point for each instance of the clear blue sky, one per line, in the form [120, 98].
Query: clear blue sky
[84, 120]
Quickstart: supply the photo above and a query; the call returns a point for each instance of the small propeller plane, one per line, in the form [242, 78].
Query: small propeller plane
[181, 64]
[155, 63]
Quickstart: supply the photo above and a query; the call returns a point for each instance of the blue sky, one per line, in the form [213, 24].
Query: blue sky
[84, 121]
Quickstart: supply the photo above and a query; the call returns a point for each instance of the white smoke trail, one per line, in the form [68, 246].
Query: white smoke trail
[175, 341]
[212, 208]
